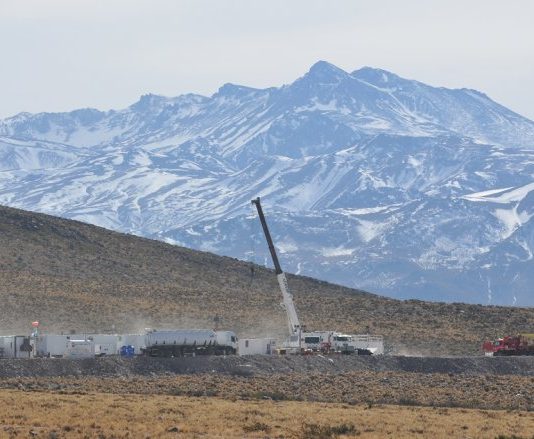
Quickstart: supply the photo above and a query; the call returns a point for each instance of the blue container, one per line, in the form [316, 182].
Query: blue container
[127, 351]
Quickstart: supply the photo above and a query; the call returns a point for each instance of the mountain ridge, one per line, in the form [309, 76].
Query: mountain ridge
[361, 166]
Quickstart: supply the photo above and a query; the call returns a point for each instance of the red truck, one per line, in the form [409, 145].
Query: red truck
[522, 344]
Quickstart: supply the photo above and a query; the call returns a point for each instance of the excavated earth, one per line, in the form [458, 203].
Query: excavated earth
[264, 365]
[470, 382]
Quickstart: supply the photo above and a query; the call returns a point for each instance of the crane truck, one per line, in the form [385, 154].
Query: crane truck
[294, 342]
[301, 341]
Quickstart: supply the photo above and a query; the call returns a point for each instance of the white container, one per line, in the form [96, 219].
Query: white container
[102, 350]
[6, 346]
[51, 345]
[105, 344]
[80, 349]
[12, 346]
[257, 346]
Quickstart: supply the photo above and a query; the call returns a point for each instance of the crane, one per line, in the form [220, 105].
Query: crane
[288, 304]
[299, 341]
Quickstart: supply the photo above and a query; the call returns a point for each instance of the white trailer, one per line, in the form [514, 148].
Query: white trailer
[257, 346]
[5, 341]
[105, 344]
[16, 346]
[80, 349]
[51, 345]
[57, 345]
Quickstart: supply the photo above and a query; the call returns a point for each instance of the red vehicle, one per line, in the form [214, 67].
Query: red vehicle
[522, 344]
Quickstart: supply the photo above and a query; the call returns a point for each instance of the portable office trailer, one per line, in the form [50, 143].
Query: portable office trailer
[256, 346]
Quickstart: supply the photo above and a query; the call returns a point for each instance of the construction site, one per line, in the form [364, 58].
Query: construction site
[331, 350]
[202, 342]
[192, 341]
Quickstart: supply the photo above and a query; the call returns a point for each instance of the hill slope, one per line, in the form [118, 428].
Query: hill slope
[71, 275]
[351, 165]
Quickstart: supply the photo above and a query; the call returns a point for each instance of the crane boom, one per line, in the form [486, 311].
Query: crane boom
[292, 318]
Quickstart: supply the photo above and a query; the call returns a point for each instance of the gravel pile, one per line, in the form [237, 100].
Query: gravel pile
[262, 365]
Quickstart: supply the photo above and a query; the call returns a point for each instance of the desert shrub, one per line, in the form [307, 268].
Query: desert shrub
[316, 431]
[257, 426]
[408, 401]
[275, 396]
[241, 373]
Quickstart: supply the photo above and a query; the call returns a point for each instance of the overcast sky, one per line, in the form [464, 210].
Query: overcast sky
[58, 55]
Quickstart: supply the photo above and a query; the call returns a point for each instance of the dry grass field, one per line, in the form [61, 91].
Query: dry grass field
[53, 415]
[70, 275]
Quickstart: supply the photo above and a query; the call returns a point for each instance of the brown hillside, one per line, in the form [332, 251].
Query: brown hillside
[70, 275]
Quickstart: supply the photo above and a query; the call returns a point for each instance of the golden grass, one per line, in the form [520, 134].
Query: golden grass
[112, 415]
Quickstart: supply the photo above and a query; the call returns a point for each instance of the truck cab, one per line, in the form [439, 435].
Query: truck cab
[228, 339]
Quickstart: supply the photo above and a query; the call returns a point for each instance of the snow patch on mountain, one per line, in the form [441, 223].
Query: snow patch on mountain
[368, 179]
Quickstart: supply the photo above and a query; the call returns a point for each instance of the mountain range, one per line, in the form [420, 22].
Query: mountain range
[368, 179]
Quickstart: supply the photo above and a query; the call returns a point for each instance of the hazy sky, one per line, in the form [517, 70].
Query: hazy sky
[57, 55]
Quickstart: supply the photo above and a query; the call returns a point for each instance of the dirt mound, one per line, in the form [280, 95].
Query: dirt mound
[264, 366]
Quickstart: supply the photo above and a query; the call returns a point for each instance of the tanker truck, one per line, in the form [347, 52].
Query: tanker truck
[189, 342]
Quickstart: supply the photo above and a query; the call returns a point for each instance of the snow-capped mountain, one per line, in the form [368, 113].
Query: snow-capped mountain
[368, 179]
